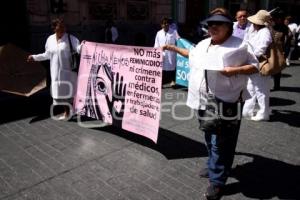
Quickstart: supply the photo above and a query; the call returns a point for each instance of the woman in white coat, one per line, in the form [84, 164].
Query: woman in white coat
[63, 79]
[167, 36]
[258, 86]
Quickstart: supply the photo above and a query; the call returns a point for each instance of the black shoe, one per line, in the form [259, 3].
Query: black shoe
[203, 173]
[213, 192]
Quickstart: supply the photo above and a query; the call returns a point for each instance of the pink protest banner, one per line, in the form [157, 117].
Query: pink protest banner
[121, 85]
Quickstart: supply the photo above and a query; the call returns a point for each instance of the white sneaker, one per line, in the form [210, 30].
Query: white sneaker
[287, 62]
[247, 115]
[62, 118]
[258, 118]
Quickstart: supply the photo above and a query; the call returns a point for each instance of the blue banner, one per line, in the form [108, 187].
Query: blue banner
[182, 64]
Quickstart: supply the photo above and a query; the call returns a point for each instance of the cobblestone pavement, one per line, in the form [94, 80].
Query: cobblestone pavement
[41, 158]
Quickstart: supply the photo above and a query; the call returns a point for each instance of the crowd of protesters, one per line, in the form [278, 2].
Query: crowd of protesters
[247, 86]
[256, 32]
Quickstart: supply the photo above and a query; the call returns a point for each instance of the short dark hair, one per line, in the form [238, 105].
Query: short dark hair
[220, 11]
[55, 22]
[242, 9]
[279, 14]
[165, 21]
[289, 18]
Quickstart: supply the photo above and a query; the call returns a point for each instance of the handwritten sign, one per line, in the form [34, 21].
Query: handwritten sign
[121, 85]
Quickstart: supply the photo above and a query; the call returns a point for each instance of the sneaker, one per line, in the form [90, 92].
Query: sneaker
[213, 192]
[64, 117]
[203, 173]
[258, 118]
[247, 116]
[287, 62]
[172, 83]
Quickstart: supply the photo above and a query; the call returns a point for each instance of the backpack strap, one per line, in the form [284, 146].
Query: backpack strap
[206, 82]
[70, 43]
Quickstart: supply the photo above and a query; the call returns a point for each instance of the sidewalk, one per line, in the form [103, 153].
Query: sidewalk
[41, 158]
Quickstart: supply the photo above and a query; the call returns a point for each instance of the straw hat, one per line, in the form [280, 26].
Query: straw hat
[262, 17]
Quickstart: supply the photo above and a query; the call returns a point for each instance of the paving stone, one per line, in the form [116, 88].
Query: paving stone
[5, 188]
[41, 158]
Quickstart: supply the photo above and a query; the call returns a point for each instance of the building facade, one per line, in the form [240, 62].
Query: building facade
[27, 22]
[135, 19]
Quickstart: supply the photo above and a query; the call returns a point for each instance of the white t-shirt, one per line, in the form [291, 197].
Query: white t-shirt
[239, 32]
[225, 88]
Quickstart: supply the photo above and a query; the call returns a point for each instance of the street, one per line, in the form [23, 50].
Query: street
[41, 158]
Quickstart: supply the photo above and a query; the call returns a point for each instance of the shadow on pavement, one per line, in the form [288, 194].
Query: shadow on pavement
[290, 89]
[283, 75]
[170, 144]
[289, 117]
[15, 107]
[40, 117]
[275, 101]
[265, 178]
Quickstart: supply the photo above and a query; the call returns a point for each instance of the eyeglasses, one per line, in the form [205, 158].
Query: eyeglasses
[217, 23]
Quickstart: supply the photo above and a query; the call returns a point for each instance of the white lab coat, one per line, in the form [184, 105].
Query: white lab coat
[63, 80]
[163, 38]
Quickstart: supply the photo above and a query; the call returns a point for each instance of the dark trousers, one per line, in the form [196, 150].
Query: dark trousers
[276, 78]
[221, 150]
[168, 76]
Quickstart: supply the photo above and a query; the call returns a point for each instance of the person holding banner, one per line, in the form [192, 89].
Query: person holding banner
[63, 79]
[167, 36]
[225, 86]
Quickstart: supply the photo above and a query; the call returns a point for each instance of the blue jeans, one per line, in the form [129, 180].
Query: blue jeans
[221, 150]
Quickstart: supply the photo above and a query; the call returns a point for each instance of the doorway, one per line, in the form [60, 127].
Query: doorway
[14, 23]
